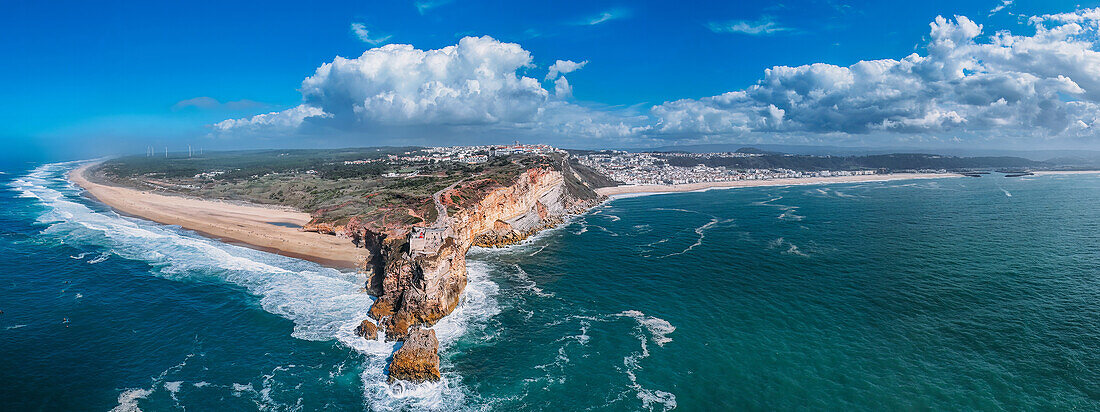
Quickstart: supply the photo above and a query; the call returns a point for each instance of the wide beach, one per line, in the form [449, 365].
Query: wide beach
[692, 187]
[266, 228]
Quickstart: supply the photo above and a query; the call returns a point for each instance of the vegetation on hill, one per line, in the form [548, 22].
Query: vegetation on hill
[380, 186]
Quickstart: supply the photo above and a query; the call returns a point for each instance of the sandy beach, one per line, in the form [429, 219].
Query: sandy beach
[692, 187]
[265, 228]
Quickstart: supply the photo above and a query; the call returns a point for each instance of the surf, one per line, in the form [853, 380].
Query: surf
[324, 304]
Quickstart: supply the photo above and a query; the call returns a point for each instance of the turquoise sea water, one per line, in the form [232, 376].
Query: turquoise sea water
[924, 294]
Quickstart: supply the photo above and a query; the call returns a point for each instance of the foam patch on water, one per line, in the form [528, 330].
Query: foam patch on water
[98, 259]
[127, 400]
[324, 304]
[700, 231]
[658, 329]
[528, 284]
[791, 248]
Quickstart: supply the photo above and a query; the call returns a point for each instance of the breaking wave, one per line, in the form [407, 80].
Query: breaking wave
[324, 303]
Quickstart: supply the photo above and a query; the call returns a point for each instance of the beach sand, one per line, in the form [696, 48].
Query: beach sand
[692, 187]
[265, 228]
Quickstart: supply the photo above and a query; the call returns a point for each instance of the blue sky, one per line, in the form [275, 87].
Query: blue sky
[104, 77]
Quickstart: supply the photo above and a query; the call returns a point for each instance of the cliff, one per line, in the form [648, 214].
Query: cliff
[419, 272]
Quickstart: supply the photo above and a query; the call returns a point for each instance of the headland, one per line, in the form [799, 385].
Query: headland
[406, 217]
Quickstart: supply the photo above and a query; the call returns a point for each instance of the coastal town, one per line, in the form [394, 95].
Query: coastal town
[631, 168]
[653, 169]
[463, 154]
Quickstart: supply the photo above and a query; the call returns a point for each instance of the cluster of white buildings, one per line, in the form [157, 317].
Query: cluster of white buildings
[648, 169]
[465, 154]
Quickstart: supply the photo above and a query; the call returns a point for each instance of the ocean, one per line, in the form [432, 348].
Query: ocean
[945, 294]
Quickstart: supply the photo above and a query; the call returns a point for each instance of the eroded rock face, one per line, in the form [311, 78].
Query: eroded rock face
[418, 358]
[367, 330]
[421, 287]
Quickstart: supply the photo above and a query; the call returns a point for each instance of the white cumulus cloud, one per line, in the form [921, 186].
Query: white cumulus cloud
[477, 83]
[965, 85]
[1046, 84]
[564, 67]
[274, 121]
[562, 89]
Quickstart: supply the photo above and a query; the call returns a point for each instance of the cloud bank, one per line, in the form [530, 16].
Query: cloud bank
[476, 86]
[968, 85]
[1010, 86]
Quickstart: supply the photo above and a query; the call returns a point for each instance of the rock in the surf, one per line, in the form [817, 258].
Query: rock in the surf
[417, 360]
[367, 330]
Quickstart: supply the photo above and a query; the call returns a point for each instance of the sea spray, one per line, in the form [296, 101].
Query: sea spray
[323, 303]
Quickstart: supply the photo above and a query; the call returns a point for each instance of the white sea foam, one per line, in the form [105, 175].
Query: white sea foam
[127, 400]
[102, 257]
[792, 249]
[528, 284]
[323, 303]
[173, 386]
[537, 251]
[241, 388]
[790, 215]
[700, 231]
[658, 329]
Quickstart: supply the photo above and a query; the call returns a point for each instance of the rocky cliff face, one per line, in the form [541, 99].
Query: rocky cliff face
[420, 288]
[417, 360]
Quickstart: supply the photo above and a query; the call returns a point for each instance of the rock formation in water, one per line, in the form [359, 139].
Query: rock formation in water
[419, 273]
[367, 329]
[418, 359]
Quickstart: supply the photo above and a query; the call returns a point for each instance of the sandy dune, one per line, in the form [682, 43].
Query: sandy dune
[260, 227]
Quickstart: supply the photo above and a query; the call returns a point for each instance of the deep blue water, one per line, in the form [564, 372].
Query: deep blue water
[926, 294]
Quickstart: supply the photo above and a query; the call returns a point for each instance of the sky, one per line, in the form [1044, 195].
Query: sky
[99, 78]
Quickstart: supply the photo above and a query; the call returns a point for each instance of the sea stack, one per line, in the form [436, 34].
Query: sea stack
[417, 360]
[420, 272]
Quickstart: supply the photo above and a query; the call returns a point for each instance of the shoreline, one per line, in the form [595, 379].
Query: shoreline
[615, 192]
[623, 191]
[268, 229]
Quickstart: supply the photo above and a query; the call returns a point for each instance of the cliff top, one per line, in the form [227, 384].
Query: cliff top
[383, 189]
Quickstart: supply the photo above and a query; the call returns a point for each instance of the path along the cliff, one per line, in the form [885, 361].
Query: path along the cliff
[442, 219]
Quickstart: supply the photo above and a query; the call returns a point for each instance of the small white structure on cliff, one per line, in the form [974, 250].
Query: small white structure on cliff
[427, 240]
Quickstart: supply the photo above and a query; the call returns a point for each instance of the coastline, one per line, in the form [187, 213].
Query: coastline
[254, 226]
[638, 190]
